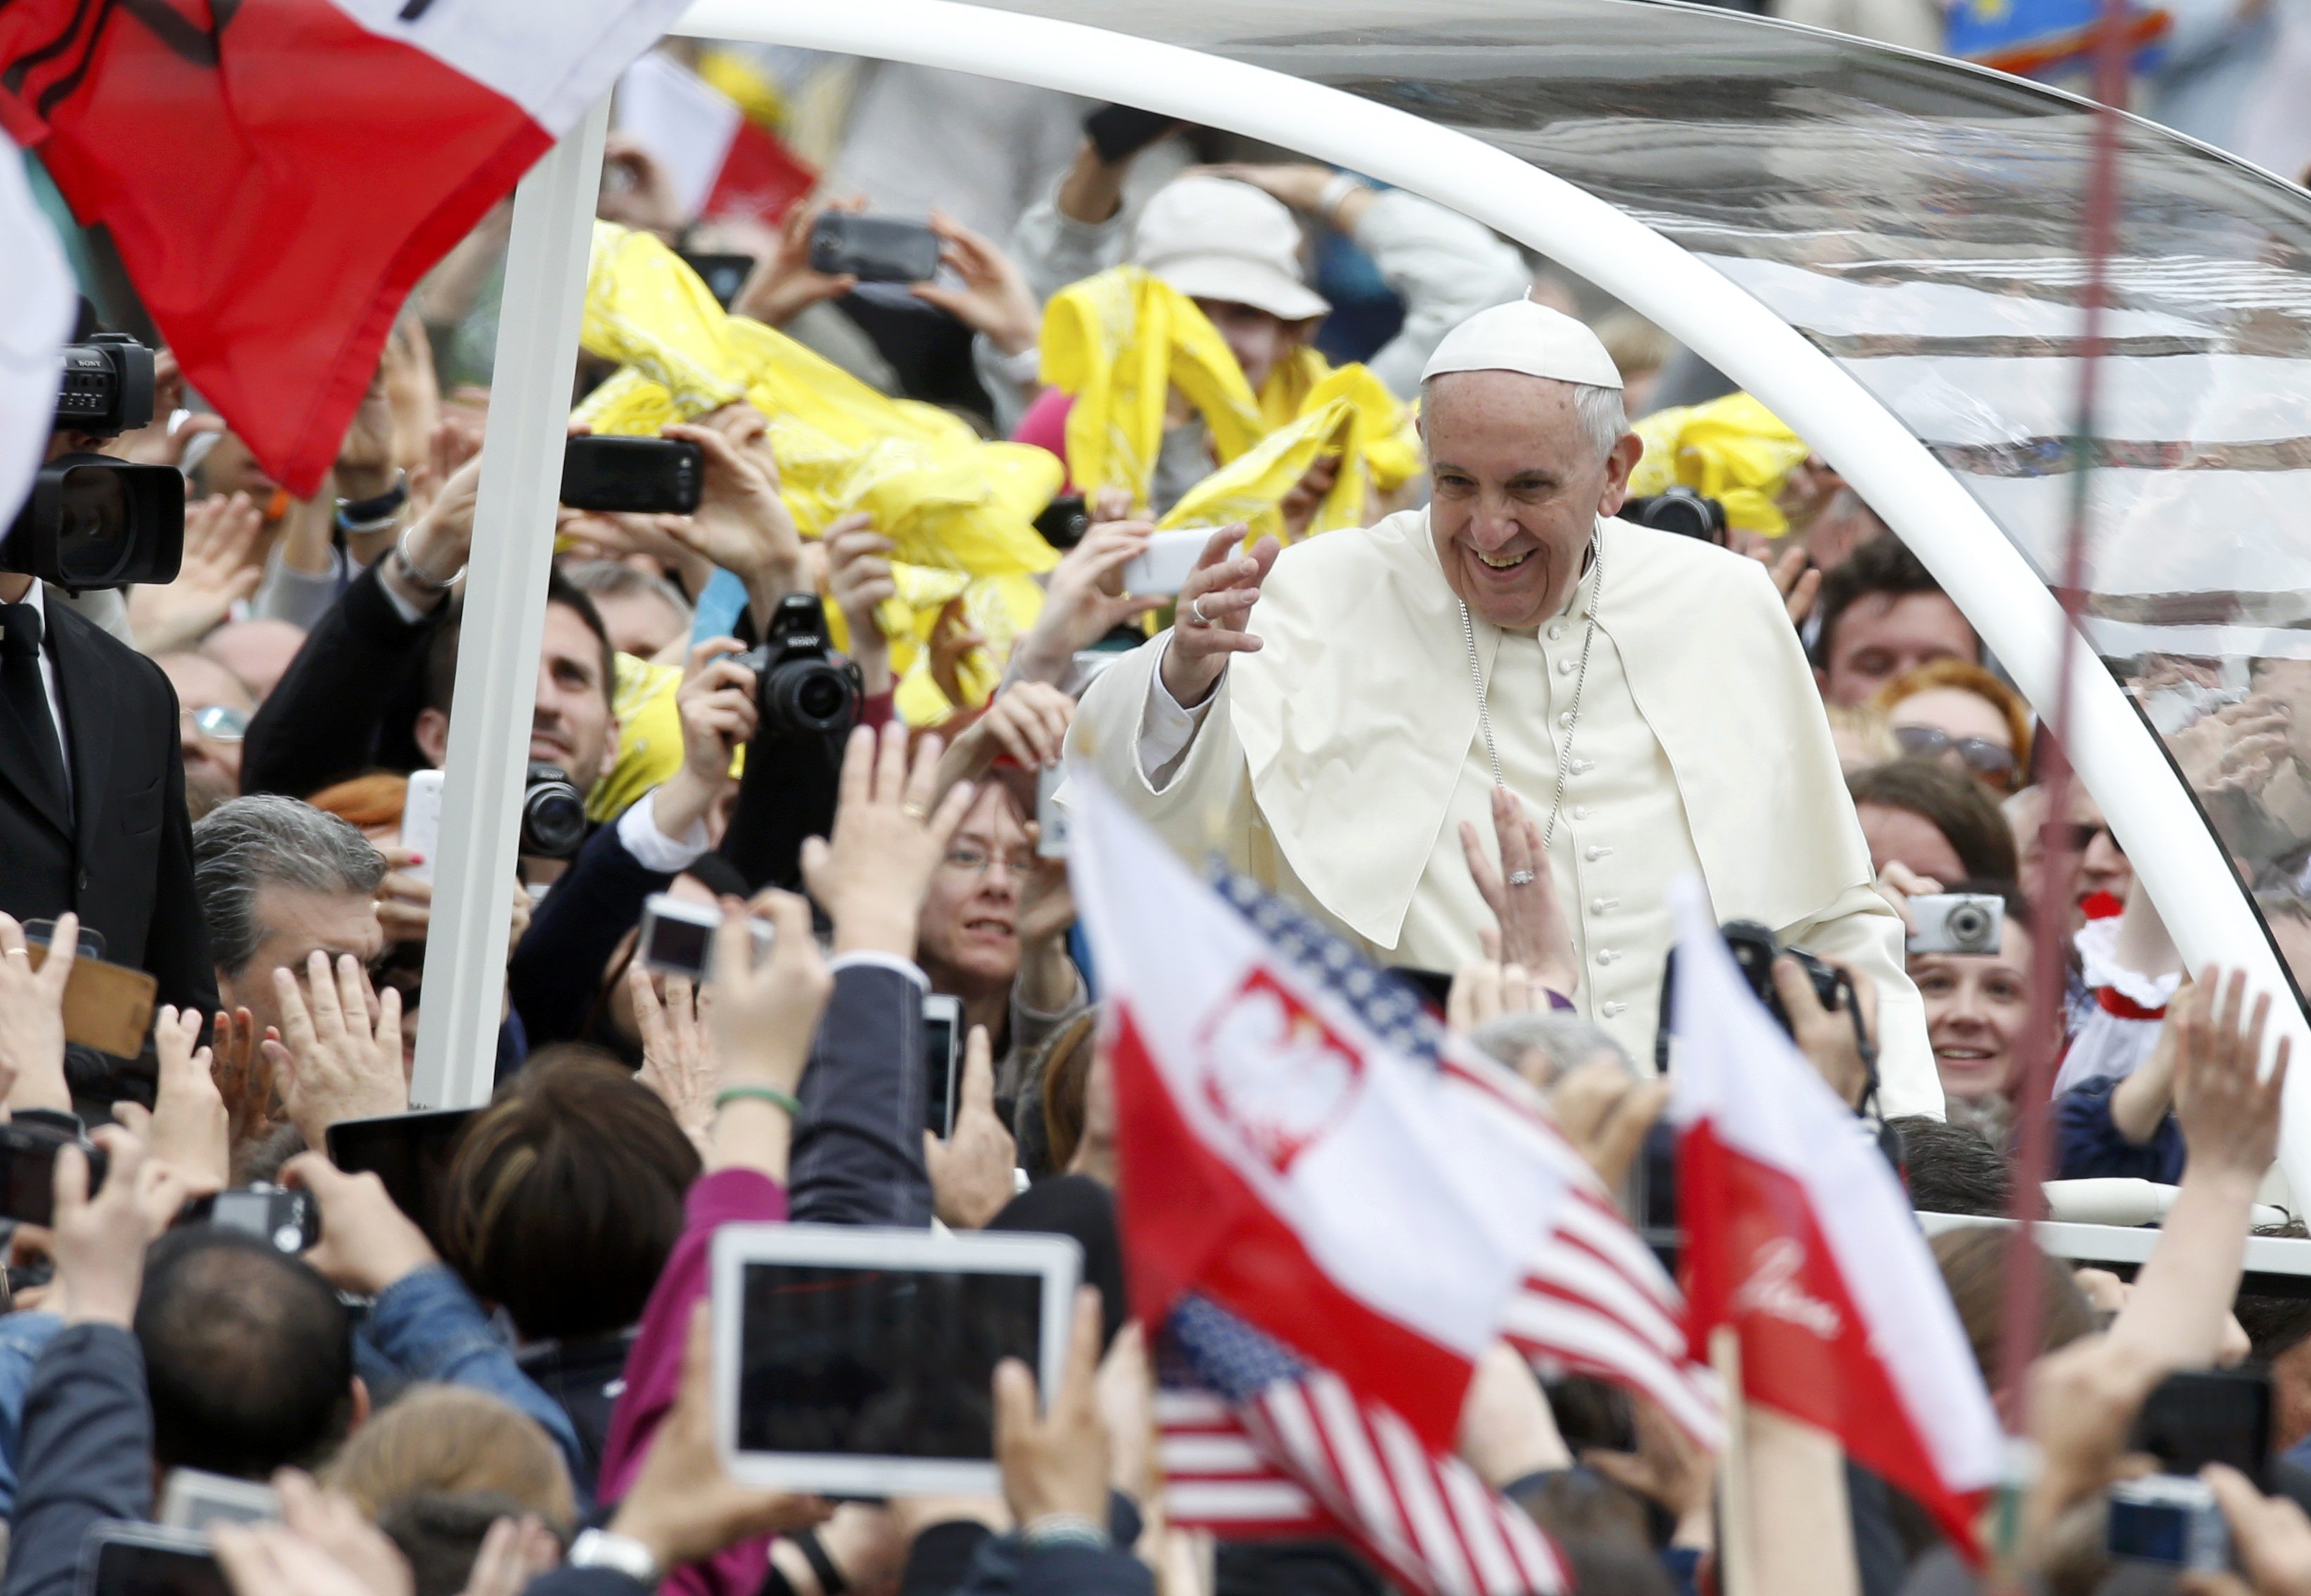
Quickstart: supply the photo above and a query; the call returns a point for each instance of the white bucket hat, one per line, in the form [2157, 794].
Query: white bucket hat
[1216, 239]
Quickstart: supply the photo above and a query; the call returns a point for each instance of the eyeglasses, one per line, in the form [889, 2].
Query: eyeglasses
[974, 862]
[1977, 754]
[220, 723]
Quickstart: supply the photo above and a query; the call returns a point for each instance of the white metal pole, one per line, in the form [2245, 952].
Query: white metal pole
[504, 621]
[2151, 814]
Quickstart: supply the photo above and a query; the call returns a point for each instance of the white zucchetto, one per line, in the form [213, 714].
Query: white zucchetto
[1524, 337]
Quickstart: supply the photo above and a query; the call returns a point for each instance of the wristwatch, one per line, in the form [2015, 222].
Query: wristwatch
[600, 1548]
[377, 514]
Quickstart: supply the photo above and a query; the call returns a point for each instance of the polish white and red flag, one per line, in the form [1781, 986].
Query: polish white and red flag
[277, 174]
[1303, 1150]
[1798, 1236]
[721, 163]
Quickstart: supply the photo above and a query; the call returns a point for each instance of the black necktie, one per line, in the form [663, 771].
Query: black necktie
[43, 761]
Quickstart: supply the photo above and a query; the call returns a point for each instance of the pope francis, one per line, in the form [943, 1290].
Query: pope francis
[1345, 718]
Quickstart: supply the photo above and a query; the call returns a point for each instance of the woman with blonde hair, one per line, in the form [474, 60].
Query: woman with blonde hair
[1954, 711]
[449, 1440]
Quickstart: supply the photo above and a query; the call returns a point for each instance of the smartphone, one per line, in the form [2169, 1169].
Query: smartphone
[289, 1219]
[873, 249]
[639, 476]
[410, 1153]
[28, 1173]
[1119, 131]
[1163, 564]
[2208, 1415]
[194, 1499]
[1653, 1194]
[420, 822]
[723, 274]
[125, 1559]
[1050, 820]
[677, 936]
[942, 1056]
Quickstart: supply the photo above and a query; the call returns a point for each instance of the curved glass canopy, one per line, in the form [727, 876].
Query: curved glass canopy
[1918, 221]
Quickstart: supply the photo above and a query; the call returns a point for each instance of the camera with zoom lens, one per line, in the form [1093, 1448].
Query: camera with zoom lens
[1682, 510]
[801, 684]
[1755, 948]
[90, 520]
[552, 813]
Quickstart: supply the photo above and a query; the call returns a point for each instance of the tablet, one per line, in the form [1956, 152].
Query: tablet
[411, 1153]
[857, 1362]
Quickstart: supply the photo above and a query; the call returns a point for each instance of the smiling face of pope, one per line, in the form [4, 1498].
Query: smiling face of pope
[1518, 482]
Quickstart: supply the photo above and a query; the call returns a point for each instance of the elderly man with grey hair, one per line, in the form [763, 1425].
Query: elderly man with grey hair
[278, 880]
[1350, 718]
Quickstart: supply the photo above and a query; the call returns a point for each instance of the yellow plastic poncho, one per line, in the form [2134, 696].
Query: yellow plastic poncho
[1120, 341]
[1732, 449]
[649, 736]
[954, 505]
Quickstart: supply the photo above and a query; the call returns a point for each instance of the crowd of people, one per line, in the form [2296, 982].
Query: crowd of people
[514, 1396]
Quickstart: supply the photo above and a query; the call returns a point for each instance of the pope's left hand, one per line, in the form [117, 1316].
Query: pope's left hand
[1522, 898]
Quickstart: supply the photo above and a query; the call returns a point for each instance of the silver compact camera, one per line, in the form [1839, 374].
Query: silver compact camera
[1957, 923]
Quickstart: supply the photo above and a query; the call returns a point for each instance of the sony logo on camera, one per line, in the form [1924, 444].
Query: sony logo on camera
[92, 520]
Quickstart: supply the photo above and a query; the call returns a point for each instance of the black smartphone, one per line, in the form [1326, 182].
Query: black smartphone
[1652, 1196]
[2211, 1415]
[642, 476]
[410, 1153]
[942, 1060]
[873, 249]
[289, 1220]
[723, 274]
[28, 1171]
[1117, 131]
[125, 1559]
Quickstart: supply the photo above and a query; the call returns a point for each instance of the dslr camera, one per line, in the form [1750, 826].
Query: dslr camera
[1682, 510]
[90, 520]
[801, 684]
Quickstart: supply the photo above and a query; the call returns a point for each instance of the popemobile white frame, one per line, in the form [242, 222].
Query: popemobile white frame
[2150, 813]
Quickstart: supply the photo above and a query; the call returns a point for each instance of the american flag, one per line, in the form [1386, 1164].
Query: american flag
[1594, 1300]
[1258, 1443]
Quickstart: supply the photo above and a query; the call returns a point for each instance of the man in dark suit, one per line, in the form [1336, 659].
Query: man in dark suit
[93, 814]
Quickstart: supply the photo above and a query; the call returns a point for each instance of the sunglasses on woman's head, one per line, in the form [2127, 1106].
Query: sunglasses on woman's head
[1977, 754]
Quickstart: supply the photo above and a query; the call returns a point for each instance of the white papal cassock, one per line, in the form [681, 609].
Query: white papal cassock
[1336, 765]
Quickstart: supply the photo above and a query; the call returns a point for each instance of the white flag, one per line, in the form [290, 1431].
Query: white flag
[37, 302]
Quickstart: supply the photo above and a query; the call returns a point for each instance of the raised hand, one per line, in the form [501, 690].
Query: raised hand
[762, 1015]
[191, 1129]
[405, 902]
[368, 1245]
[718, 710]
[741, 524]
[32, 1016]
[1083, 600]
[2230, 1118]
[1215, 604]
[1533, 932]
[678, 1062]
[871, 877]
[336, 1065]
[222, 565]
[244, 1077]
[682, 1505]
[784, 282]
[859, 579]
[1055, 1464]
[970, 1171]
[99, 1242]
[1027, 723]
[994, 298]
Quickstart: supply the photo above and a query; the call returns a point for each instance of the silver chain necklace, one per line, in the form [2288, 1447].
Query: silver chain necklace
[1571, 717]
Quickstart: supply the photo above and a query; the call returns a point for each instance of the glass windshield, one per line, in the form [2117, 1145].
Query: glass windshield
[1918, 221]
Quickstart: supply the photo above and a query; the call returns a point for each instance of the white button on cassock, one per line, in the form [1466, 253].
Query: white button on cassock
[1606, 955]
[1565, 668]
[1612, 1010]
[1603, 905]
[1580, 811]
[1597, 851]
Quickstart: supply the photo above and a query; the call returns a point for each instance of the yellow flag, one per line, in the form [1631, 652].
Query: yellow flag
[1732, 449]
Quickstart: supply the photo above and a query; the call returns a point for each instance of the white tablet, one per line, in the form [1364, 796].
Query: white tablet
[857, 1362]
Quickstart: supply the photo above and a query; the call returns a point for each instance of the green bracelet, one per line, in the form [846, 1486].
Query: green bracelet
[785, 1100]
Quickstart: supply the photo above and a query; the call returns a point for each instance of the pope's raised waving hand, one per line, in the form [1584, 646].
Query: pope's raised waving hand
[1215, 605]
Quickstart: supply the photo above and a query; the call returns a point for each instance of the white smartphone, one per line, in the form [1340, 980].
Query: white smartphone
[1163, 564]
[677, 936]
[858, 1362]
[420, 822]
[194, 1499]
[942, 1060]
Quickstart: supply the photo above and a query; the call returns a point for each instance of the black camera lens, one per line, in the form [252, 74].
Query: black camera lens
[552, 813]
[809, 695]
[1682, 510]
